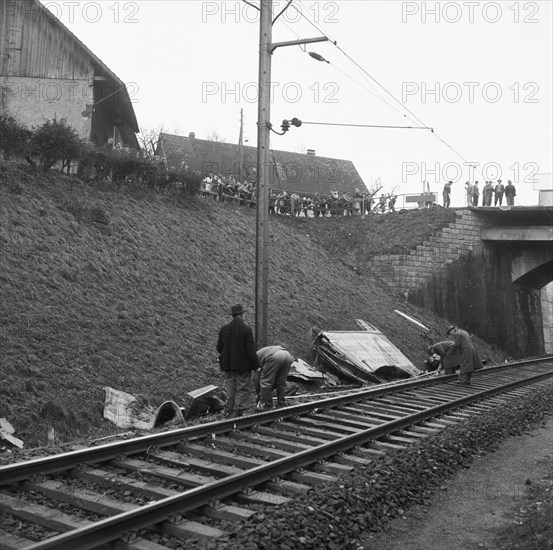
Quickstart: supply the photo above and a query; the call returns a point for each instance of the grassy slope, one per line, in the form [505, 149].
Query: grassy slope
[353, 240]
[105, 286]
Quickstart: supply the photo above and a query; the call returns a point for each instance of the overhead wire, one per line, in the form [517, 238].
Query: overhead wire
[337, 68]
[282, 11]
[252, 5]
[304, 49]
[364, 71]
[423, 125]
[369, 125]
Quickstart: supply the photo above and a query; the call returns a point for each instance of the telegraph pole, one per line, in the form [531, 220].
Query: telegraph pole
[241, 146]
[262, 194]
[266, 49]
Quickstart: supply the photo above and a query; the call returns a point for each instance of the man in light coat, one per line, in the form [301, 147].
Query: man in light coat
[275, 363]
[450, 356]
[470, 360]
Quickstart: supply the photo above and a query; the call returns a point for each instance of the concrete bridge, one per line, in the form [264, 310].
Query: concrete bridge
[491, 272]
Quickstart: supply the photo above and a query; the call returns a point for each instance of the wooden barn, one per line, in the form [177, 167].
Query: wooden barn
[46, 72]
[305, 174]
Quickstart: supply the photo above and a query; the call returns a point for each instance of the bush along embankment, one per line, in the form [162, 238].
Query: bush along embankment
[339, 516]
[56, 145]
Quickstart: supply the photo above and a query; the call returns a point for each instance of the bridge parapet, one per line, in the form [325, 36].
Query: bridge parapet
[508, 233]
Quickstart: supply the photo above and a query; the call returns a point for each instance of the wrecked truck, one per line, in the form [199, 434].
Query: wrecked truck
[362, 357]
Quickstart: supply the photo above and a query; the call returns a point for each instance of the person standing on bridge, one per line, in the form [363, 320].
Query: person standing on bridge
[487, 192]
[474, 194]
[275, 362]
[237, 360]
[510, 193]
[470, 360]
[499, 189]
[446, 194]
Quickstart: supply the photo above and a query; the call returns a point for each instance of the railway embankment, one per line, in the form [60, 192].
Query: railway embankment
[358, 513]
[120, 286]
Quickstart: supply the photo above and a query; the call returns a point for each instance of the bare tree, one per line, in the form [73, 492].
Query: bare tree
[148, 139]
[214, 136]
[394, 189]
[374, 188]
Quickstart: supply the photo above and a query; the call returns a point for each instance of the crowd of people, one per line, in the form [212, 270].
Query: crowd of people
[226, 189]
[490, 192]
[229, 189]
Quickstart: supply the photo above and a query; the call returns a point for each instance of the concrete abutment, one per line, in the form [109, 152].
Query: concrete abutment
[472, 282]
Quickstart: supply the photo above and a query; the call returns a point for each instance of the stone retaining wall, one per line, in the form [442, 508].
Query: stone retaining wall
[464, 280]
[407, 272]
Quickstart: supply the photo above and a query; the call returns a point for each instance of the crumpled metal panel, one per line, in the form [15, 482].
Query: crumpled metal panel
[362, 356]
[304, 371]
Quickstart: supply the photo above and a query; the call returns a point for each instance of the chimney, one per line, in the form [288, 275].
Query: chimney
[192, 135]
[311, 152]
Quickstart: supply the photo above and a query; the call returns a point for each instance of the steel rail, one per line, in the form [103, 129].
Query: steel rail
[113, 527]
[44, 465]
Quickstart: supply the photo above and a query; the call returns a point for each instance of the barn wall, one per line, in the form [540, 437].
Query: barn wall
[44, 75]
[34, 45]
[33, 100]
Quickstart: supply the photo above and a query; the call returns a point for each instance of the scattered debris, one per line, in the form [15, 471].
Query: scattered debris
[412, 320]
[425, 330]
[6, 433]
[126, 411]
[203, 400]
[168, 413]
[364, 325]
[362, 356]
[300, 370]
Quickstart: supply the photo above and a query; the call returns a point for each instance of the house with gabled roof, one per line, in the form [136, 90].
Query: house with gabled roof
[46, 72]
[305, 174]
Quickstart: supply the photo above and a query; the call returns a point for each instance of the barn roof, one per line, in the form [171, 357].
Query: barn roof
[304, 173]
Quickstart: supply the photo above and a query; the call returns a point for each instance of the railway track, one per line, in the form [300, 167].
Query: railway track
[174, 488]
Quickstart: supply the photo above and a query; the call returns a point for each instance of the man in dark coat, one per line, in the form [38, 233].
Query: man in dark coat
[237, 360]
[449, 355]
[470, 360]
[510, 193]
[487, 194]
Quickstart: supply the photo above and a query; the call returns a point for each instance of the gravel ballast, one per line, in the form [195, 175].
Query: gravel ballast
[338, 516]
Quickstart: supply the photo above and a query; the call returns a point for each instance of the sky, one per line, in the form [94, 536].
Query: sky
[479, 74]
